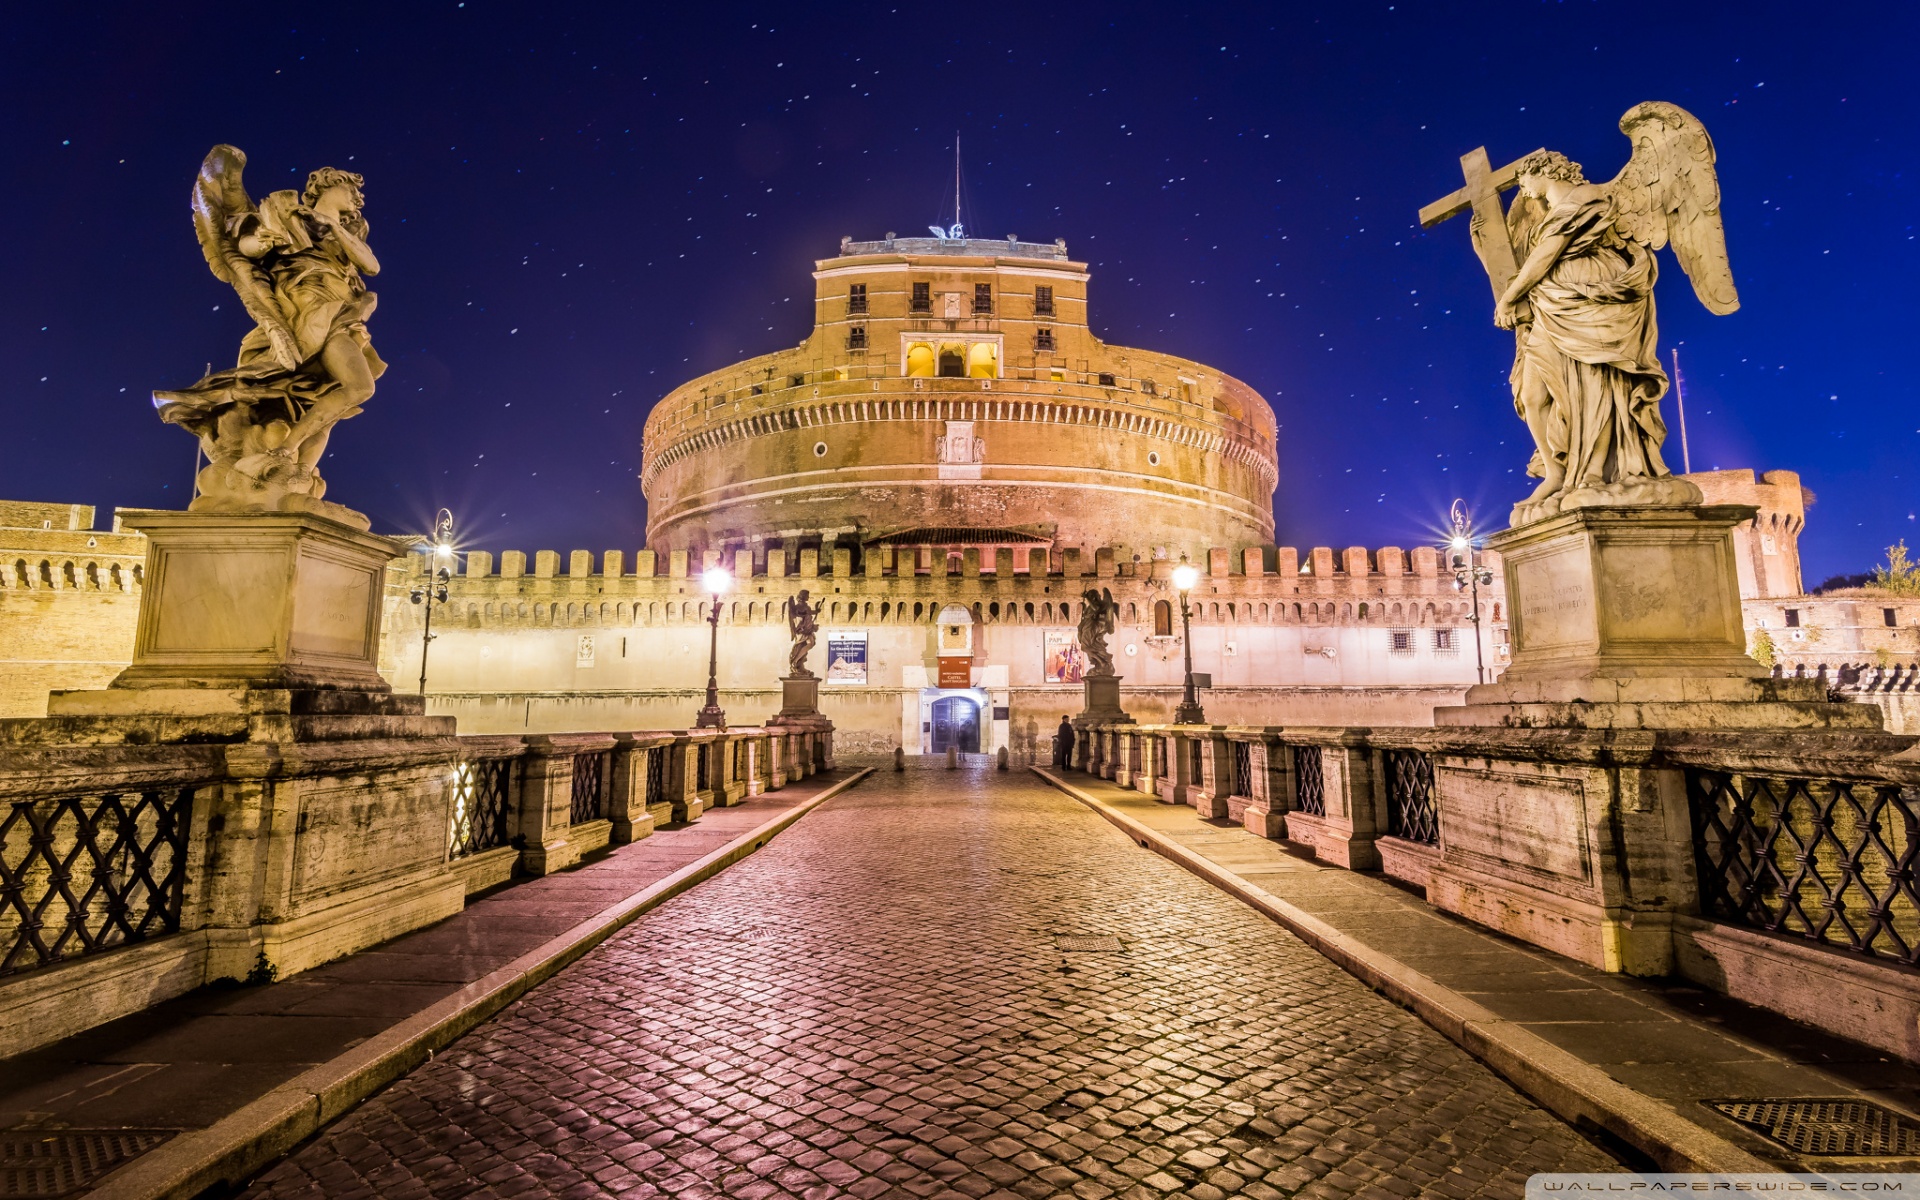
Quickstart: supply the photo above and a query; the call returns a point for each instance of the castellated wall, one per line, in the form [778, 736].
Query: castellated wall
[1351, 636]
[69, 600]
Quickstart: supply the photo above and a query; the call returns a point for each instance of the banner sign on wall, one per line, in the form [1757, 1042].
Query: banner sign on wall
[1064, 661]
[955, 672]
[847, 657]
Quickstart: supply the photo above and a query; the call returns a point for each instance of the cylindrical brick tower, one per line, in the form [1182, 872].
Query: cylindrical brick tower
[951, 392]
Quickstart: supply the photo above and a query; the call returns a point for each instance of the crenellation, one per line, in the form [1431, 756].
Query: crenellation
[1320, 563]
[1356, 562]
[1392, 561]
[478, 564]
[1103, 563]
[513, 564]
[677, 564]
[546, 563]
[1426, 562]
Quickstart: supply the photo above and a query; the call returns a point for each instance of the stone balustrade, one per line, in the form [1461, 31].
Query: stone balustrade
[131, 873]
[1778, 870]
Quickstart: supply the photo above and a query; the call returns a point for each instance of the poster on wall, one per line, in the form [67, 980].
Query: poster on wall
[1065, 663]
[847, 657]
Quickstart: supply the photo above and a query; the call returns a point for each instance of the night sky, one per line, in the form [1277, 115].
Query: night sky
[576, 213]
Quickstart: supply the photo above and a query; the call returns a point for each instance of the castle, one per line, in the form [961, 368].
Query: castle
[946, 463]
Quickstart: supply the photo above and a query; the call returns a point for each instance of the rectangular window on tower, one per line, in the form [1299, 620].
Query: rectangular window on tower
[857, 337]
[857, 298]
[922, 298]
[1042, 301]
[1891, 617]
[982, 299]
[1043, 339]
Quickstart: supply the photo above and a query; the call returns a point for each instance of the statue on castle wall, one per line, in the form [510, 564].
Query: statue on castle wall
[1099, 613]
[296, 260]
[804, 629]
[1573, 269]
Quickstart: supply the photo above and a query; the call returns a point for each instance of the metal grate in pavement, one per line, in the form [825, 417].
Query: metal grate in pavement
[1850, 1128]
[40, 1163]
[1087, 943]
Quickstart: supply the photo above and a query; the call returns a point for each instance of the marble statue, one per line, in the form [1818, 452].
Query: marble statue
[804, 629]
[1097, 613]
[1573, 269]
[296, 260]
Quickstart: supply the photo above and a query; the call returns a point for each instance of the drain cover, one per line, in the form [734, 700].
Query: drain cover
[37, 1163]
[1087, 943]
[1847, 1128]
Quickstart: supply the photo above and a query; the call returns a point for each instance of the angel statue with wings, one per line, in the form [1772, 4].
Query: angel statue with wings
[296, 260]
[803, 627]
[1574, 279]
[1097, 613]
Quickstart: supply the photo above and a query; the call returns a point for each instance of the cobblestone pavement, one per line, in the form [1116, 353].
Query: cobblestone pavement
[881, 1002]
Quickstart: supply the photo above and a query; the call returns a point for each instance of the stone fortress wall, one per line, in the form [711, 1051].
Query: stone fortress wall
[1376, 636]
[69, 601]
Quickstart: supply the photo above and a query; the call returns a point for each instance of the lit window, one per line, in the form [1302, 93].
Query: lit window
[1043, 301]
[857, 298]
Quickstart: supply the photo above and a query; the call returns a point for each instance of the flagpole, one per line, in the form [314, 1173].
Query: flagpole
[1680, 399]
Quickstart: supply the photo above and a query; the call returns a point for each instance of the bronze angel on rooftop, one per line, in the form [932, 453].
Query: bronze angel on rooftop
[296, 261]
[1575, 283]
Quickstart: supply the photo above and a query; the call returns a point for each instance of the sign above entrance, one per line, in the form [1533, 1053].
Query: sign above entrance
[955, 672]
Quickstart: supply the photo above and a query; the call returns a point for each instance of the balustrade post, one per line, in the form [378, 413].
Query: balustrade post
[1207, 795]
[683, 776]
[627, 791]
[1356, 805]
[543, 814]
[1178, 766]
[1144, 769]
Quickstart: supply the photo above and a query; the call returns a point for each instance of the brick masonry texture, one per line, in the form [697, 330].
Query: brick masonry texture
[877, 1005]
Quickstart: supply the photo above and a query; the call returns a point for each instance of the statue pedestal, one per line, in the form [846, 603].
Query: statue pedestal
[1630, 618]
[1102, 701]
[1559, 824]
[247, 602]
[799, 700]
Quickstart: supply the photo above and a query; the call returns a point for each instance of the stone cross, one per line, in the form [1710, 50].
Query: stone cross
[1482, 195]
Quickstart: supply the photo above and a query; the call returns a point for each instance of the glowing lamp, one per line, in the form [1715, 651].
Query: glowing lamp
[1185, 576]
[715, 579]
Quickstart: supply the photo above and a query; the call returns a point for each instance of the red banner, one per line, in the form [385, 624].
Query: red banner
[955, 672]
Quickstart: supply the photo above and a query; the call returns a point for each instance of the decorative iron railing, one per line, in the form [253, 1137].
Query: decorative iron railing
[1196, 763]
[589, 799]
[86, 873]
[700, 760]
[657, 774]
[1411, 813]
[1829, 860]
[482, 795]
[1309, 781]
[1242, 782]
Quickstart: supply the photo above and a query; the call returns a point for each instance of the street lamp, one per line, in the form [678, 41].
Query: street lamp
[1184, 577]
[434, 590]
[715, 580]
[1468, 575]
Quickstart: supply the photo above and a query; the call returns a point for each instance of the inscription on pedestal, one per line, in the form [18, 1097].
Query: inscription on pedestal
[332, 609]
[1554, 595]
[1504, 820]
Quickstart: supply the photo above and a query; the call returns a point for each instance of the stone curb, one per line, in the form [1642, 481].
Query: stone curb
[1574, 1090]
[239, 1144]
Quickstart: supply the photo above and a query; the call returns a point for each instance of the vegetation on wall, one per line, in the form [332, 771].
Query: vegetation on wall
[1898, 575]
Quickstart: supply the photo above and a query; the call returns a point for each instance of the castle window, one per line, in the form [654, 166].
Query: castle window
[857, 338]
[1443, 641]
[919, 361]
[922, 298]
[1400, 642]
[1043, 301]
[1147, 386]
[953, 364]
[1793, 618]
[982, 299]
[1162, 619]
[1105, 379]
[983, 361]
[856, 298]
[1043, 339]
[1891, 617]
[798, 380]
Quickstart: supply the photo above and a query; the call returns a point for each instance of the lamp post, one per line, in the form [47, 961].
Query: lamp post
[434, 590]
[715, 580]
[1189, 712]
[1468, 575]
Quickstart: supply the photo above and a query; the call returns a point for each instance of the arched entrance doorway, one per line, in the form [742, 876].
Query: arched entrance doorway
[956, 723]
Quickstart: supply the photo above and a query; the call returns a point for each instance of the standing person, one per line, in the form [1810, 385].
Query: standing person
[1063, 744]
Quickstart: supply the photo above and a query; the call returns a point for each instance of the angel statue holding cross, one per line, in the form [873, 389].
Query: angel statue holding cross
[1573, 269]
[296, 261]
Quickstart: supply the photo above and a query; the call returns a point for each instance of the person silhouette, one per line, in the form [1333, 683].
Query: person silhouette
[1063, 744]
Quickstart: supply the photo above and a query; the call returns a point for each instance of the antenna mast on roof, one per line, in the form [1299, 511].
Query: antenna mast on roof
[958, 231]
[1680, 402]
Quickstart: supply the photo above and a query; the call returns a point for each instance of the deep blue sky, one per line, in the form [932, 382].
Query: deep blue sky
[577, 212]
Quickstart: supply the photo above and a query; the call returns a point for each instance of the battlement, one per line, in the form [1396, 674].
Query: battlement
[1007, 247]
